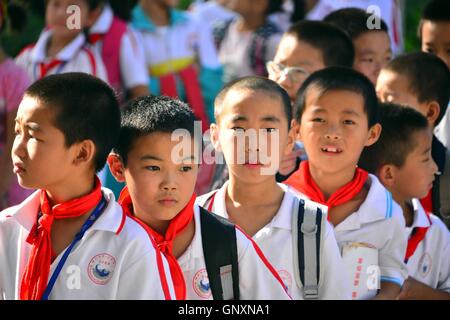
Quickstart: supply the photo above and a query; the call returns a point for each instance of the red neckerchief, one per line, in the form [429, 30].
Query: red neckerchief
[37, 270]
[165, 242]
[417, 235]
[303, 182]
[95, 37]
[427, 202]
[46, 67]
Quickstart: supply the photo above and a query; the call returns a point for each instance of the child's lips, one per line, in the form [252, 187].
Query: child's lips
[168, 202]
[18, 168]
[331, 150]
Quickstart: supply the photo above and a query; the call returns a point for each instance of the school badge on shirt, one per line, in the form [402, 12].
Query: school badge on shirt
[101, 268]
[425, 263]
[201, 285]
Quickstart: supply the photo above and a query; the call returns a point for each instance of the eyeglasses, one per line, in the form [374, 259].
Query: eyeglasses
[295, 74]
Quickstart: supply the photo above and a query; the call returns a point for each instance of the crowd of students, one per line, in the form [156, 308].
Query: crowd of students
[335, 179]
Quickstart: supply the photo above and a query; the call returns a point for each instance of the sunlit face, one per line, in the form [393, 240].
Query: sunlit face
[40, 156]
[394, 87]
[160, 179]
[252, 133]
[294, 53]
[418, 164]
[334, 129]
[436, 39]
[372, 52]
[60, 16]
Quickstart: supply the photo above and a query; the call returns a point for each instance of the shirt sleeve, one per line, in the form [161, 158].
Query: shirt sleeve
[132, 60]
[392, 254]
[258, 280]
[444, 267]
[207, 52]
[142, 279]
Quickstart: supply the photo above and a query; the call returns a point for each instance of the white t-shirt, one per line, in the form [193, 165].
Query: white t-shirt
[75, 57]
[113, 260]
[211, 12]
[430, 263]
[133, 69]
[275, 240]
[257, 279]
[378, 223]
[234, 52]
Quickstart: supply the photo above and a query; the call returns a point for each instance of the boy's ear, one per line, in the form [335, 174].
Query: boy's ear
[386, 174]
[295, 128]
[374, 134]
[214, 131]
[116, 167]
[84, 152]
[290, 143]
[432, 113]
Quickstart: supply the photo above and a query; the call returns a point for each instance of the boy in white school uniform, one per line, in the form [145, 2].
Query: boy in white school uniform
[63, 47]
[252, 198]
[209, 258]
[403, 162]
[70, 239]
[336, 116]
[122, 54]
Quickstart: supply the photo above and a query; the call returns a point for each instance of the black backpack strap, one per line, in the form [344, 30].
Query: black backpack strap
[308, 228]
[221, 255]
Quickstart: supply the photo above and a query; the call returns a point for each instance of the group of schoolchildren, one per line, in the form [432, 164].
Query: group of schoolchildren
[358, 206]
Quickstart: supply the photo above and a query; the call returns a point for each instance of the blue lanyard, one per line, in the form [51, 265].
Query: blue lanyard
[89, 222]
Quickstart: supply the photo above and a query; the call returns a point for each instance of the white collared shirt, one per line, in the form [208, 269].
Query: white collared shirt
[379, 223]
[113, 260]
[75, 57]
[256, 279]
[133, 68]
[430, 263]
[275, 240]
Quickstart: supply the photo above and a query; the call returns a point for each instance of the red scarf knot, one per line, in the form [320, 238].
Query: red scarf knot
[304, 182]
[165, 242]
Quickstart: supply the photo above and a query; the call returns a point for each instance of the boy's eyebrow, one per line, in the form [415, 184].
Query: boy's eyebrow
[351, 112]
[33, 126]
[239, 118]
[150, 157]
[427, 150]
[322, 110]
[270, 118]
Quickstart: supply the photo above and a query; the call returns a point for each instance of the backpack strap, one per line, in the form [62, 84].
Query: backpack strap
[220, 31]
[221, 256]
[444, 181]
[308, 225]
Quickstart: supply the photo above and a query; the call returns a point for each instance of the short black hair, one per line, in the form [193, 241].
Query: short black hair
[435, 11]
[86, 108]
[92, 4]
[428, 77]
[353, 21]
[396, 141]
[336, 47]
[150, 114]
[259, 84]
[339, 78]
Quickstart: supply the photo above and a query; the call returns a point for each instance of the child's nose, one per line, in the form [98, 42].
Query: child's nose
[18, 149]
[333, 133]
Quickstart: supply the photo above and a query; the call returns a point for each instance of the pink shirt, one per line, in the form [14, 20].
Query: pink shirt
[13, 83]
